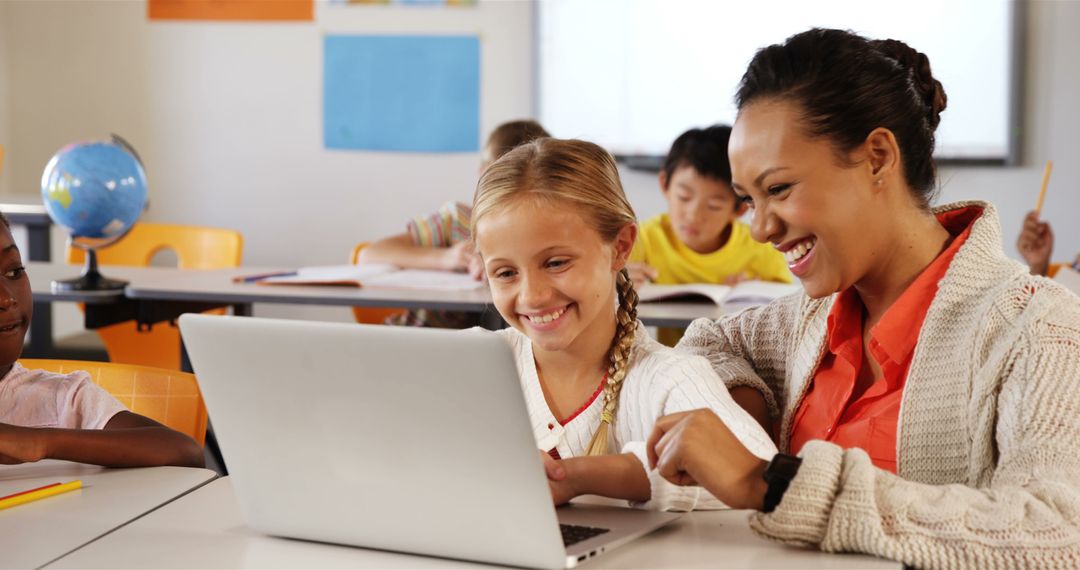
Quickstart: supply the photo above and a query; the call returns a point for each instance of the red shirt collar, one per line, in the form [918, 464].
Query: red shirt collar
[898, 330]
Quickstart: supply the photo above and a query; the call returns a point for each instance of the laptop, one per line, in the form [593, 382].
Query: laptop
[394, 438]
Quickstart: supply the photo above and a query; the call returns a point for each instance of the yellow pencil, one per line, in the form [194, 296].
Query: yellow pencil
[1046, 181]
[39, 494]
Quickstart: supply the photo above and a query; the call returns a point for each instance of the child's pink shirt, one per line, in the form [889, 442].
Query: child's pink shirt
[39, 398]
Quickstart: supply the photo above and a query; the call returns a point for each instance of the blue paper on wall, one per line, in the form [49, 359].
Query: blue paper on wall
[402, 93]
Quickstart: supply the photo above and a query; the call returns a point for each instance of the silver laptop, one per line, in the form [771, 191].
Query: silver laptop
[395, 438]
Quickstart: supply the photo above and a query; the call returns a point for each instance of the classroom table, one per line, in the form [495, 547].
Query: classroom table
[36, 533]
[205, 529]
[162, 293]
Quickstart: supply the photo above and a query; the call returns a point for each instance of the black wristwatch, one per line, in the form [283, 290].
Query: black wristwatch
[778, 475]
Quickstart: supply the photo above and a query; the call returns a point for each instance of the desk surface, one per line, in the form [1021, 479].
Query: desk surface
[216, 286]
[41, 531]
[204, 529]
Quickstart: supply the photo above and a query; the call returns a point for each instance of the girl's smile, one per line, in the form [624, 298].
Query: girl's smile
[550, 273]
[548, 319]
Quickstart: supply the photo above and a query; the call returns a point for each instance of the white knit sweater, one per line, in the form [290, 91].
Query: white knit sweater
[660, 381]
[988, 442]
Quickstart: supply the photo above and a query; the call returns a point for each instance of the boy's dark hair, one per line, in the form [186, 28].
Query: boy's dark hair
[509, 135]
[847, 86]
[703, 149]
[5, 221]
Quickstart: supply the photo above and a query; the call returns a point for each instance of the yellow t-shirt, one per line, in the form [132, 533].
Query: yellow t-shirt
[658, 246]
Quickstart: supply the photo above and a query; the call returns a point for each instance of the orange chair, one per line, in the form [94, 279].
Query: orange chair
[371, 316]
[166, 396]
[196, 247]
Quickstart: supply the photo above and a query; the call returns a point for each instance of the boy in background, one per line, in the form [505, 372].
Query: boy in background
[700, 239]
[441, 240]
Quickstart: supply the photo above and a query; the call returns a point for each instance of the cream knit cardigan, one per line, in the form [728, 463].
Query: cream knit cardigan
[988, 440]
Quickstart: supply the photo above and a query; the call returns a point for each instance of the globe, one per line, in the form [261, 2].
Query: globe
[96, 191]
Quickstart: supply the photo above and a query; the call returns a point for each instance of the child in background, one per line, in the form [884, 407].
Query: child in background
[554, 230]
[441, 240]
[66, 416]
[1036, 244]
[700, 239]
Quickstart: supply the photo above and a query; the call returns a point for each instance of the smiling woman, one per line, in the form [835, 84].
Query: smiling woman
[929, 384]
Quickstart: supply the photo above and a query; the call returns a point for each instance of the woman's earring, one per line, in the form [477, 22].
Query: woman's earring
[877, 182]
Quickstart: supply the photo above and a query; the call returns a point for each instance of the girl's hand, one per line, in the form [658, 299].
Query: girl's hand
[1036, 243]
[697, 448]
[21, 445]
[641, 273]
[561, 488]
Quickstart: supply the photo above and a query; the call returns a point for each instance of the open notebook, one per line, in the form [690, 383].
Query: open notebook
[369, 275]
[745, 293]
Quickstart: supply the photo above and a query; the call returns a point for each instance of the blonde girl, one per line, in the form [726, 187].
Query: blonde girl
[554, 231]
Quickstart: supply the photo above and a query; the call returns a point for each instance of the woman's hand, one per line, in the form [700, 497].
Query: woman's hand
[21, 445]
[1036, 243]
[697, 448]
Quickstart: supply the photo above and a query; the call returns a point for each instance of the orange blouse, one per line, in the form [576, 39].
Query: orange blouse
[834, 408]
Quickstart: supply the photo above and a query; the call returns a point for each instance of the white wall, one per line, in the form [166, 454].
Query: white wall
[227, 117]
[5, 98]
[1051, 124]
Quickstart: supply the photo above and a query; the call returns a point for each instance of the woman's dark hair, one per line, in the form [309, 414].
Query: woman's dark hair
[848, 86]
[705, 150]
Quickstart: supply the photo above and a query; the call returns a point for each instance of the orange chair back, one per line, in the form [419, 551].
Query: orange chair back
[169, 397]
[196, 247]
[371, 316]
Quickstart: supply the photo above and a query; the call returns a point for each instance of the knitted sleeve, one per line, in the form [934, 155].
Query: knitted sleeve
[1028, 515]
[749, 348]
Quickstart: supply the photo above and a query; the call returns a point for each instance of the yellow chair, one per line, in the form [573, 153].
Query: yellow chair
[366, 315]
[165, 396]
[196, 247]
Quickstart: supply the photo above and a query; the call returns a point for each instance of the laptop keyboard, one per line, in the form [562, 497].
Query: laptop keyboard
[573, 534]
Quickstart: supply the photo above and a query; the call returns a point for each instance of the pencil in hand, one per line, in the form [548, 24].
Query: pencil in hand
[1045, 182]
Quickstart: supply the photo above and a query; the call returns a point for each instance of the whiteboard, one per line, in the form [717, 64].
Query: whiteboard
[632, 75]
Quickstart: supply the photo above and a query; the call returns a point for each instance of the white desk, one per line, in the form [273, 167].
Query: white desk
[163, 284]
[35, 533]
[204, 529]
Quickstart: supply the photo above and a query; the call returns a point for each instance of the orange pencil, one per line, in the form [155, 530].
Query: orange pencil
[1046, 181]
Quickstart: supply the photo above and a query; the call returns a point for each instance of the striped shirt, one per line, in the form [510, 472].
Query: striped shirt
[444, 228]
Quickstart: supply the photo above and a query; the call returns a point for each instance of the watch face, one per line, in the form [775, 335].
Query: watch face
[782, 466]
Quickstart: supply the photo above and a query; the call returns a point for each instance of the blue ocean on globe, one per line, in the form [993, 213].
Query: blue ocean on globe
[94, 190]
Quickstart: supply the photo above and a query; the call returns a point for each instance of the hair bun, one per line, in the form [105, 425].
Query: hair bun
[929, 89]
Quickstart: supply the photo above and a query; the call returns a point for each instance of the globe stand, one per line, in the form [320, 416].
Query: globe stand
[91, 281]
